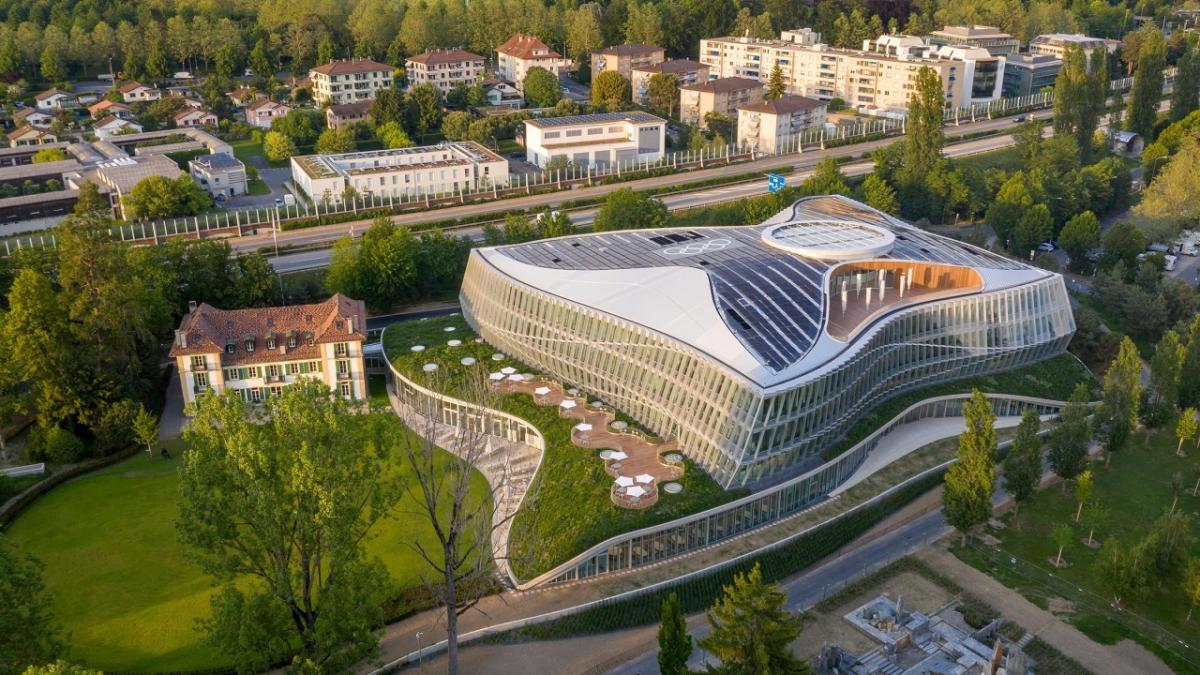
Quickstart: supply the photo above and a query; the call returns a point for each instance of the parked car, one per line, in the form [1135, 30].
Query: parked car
[1019, 118]
[1047, 247]
[289, 199]
[1169, 263]
[278, 201]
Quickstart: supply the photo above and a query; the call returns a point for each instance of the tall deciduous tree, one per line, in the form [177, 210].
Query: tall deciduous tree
[1070, 93]
[663, 93]
[1147, 82]
[29, 633]
[610, 89]
[1120, 570]
[923, 138]
[1118, 413]
[626, 209]
[286, 497]
[1191, 586]
[674, 643]
[1165, 372]
[751, 631]
[1023, 465]
[827, 179]
[1171, 200]
[145, 429]
[1080, 235]
[425, 107]
[1083, 492]
[1186, 428]
[278, 147]
[1185, 92]
[970, 481]
[1189, 387]
[876, 193]
[541, 88]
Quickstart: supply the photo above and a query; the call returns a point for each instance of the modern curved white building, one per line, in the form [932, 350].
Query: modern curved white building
[758, 346]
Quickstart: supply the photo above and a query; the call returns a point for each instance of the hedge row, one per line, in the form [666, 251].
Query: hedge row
[698, 593]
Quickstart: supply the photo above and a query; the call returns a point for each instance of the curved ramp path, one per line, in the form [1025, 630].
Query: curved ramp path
[637, 464]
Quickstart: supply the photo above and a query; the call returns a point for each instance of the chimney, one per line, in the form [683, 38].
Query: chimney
[191, 306]
[353, 319]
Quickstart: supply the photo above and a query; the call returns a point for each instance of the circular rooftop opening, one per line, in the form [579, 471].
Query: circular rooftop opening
[830, 239]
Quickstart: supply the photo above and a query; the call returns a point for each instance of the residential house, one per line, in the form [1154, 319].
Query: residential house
[33, 117]
[244, 95]
[686, 72]
[115, 126]
[995, 41]
[624, 58]
[194, 117]
[503, 95]
[1026, 74]
[56, 99]
[523, 52]
[340, 82]
[105, 107]
[599, 140]
[774, 125]
[30, 136]
[444, 68]
[347, 114]
[258, 352]
[137, 92]
[723, 96]
[220, 174]
[264, 111]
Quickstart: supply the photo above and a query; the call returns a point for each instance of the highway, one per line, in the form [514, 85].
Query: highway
[802, 168]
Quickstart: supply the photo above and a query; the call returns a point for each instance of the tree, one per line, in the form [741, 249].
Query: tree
[518, 228]
[1171, 200]
[722, 126]
[60, 667]
[1119, 569]
[674, 643]
[1122, 243]
[255, 285]
[1083, 492]
[392, 135]
[156, 61]
[751, 631]
[49, 155]
[306, 480]
[776, 87]
[1189, 387]
[389, 106]
[1035, 226]
[90, 201]
[1191, 585]
[29, 633]
[1095, 515]
[261, 61]
[541, 88]
[1023, 465]
[1185, 94]
[425, 107]
[1118, 413]
[1186, 428]
[1062, 534]
[923, 138]
[277, 147]
[336, 141]
[1079, 95]
[160, 197]
[969, 483]
[610, 89]
[626, 209]
[876, 193]
[54, 64]
[827, 179]
[1165, 371]
[300, 125]
[662, 93]
[1080, 235]
[1147, 82]
[554, 224]
[1011, 203]
[457, 126]
[145, 429]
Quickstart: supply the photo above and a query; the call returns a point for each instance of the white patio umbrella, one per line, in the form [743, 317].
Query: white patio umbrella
[449, 329]
[497, 356]
[542, 391]
[635, 491]
[618, 455]
[567, 404]
[584, 426]
[429, 367]
[508, 370]
[467, 360]
[418, 348]
[624, 481]
[496, 376]
[454, 343]
[644, 478]
[516, 377]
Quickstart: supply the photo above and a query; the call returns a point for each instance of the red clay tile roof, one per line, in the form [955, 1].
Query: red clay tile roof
[351, 67]
[105, 104]
[437, 56]
[523, 46]
[725, 84]
[25, 131]
[784, 105]
[637, 49]
[133, 86]
[26, 112]
[208, 330]
[263, 103]
[51, 92]
[189, 112]
[109, 120]
[355, 109]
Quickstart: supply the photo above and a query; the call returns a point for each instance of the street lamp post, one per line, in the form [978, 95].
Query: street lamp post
[419, 655]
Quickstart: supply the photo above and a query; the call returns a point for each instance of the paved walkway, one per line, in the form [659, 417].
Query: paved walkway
[638, 465]
[1120, 659]
[170, 425]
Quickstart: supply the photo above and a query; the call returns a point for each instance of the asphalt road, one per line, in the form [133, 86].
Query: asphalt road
[803, 164]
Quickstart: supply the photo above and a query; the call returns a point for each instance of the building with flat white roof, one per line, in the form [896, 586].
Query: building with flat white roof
[756, 347]
[1055, 44]
[219, 174]
[996, 41]
[598, 140]
[874, 80]
[1026, 74]
[445, 168]
[773, 125]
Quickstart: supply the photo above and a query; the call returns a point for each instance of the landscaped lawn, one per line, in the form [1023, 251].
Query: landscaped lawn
[1135, 490]
[568, 507]
[123, 586]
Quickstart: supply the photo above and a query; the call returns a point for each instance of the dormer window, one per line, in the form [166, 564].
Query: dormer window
[249, 345]
[291, 340]
[271, 341]
[309, 338]
[230, 346]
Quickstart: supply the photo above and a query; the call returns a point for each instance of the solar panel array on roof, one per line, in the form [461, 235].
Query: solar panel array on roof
[634, 116]
[773, 301]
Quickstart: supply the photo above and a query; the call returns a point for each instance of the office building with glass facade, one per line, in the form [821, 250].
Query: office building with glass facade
[758, 346]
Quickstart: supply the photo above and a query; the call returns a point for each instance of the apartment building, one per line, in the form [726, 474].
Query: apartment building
[442, 169]
[597, 140]
[522, 52]
[875, 80]
[995, 41]
[258, 352]
[772, 125]
[1055, 44]
[348, 114]
[624, 58]
[686, 72]
[444, 68]
[220, 174]
[1026, 74]
[723, 96]
[349, 81]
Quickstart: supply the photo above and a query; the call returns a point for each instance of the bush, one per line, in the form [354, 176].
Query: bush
[56, 445]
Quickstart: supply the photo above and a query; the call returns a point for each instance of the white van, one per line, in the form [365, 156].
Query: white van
[289, 199]
[1169, 263]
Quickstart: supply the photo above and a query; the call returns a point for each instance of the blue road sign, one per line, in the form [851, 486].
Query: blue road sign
[774, 182]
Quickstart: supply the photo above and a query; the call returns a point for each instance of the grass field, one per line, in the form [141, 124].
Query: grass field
[124, 588]
[568, 507]
[1135, 490]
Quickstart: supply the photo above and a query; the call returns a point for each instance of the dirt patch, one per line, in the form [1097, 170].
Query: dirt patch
[914, 590]
[1059, 606]
[1147, 662]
